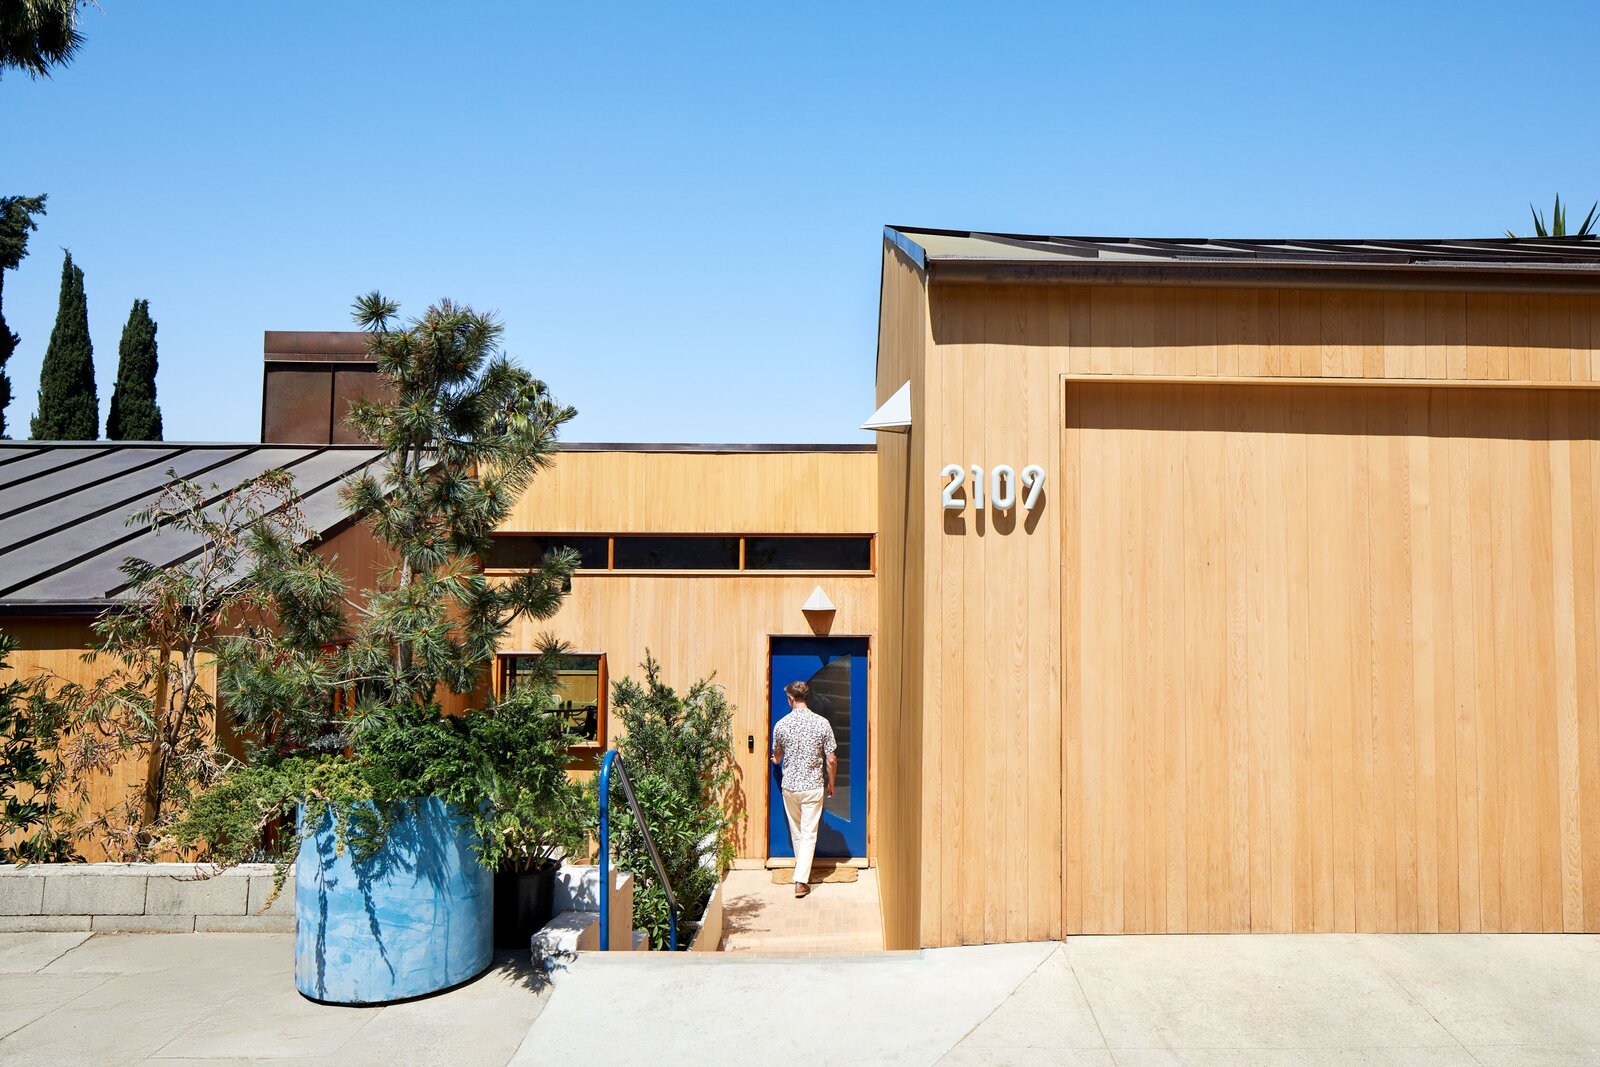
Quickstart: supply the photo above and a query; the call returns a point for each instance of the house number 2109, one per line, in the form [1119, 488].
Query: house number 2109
[1003, 483]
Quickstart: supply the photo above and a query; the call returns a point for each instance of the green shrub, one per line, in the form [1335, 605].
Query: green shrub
[337, 690]
[32, 827]
[504, 766]
[678, 752]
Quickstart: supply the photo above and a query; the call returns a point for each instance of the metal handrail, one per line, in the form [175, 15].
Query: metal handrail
[614, 759]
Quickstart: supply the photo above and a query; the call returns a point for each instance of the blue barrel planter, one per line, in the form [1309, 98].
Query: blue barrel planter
[413, 919]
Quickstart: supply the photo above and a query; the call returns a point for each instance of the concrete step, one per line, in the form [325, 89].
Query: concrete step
[559, 941]
[557, 944]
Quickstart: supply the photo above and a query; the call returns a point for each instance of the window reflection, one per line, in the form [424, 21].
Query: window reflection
[677, 553]
[808, 553]
[519, 552]
[579, 693]
[830, 698]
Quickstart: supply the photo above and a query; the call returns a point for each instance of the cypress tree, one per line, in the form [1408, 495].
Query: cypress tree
[8, 345]
[69, 406]
[16, 222]
[135, 415]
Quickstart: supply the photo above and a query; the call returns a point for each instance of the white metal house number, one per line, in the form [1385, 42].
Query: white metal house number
[1003, 483]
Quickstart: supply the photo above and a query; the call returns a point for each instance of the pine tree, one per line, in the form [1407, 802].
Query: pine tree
[69, 406]
[16, 222]
[135, 415]
[463, 435]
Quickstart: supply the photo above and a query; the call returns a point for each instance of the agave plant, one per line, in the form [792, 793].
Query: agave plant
[1557, 226]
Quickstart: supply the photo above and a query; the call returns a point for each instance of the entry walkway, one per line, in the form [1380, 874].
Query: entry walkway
[837, 919]
[1262, 1001]
[1217, 1001]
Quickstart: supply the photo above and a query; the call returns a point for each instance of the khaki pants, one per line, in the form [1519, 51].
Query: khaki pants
[805, 812]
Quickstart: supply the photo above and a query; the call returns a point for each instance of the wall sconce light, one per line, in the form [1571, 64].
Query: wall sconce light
[819, 611]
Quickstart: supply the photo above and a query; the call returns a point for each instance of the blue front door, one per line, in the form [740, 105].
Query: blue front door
[836, 668]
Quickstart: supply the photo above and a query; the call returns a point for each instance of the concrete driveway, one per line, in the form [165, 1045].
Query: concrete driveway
[1144, 1001]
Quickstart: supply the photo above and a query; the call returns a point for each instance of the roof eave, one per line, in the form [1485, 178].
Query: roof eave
[1322, 275]
[713, 448]
[54, 609]
[913, 251]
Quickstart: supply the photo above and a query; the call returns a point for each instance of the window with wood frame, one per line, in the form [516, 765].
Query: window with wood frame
[600, 553]
[342, 701]
[580, 693]
[525, 551]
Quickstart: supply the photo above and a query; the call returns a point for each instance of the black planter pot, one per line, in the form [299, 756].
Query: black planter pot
[523, 902]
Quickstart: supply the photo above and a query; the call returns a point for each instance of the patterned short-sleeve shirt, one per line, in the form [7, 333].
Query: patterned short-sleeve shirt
[806, 739]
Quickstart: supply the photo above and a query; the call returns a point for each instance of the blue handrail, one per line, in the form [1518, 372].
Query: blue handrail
[614, 759]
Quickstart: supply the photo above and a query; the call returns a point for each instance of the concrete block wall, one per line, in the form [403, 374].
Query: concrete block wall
[143, 897]
[187, 897]
[578, 889]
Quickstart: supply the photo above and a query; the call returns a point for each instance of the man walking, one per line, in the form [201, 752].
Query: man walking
[803, 743]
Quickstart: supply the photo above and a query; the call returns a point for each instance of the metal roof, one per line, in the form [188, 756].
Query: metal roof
[64, 507]
[719, 449]
[1577, 259]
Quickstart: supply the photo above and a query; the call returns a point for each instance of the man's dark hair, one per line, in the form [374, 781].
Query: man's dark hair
[800, 691]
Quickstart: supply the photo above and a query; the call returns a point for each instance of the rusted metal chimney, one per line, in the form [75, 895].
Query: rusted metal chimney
[308, 383]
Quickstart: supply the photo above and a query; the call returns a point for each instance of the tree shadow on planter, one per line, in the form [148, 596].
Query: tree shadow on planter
[412, 917]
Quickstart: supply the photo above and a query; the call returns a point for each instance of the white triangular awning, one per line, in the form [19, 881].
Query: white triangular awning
[895, 414]
[817, 601]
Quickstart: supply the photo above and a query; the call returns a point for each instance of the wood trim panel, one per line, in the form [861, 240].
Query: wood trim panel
[1245, 334]
[1398, 383]
[902, 814]
[1335, 655]
[698, 492]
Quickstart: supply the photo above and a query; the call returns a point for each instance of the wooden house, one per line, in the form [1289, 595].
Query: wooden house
[1238, 586]
[1191, 585]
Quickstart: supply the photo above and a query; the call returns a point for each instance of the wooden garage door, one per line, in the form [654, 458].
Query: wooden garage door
[1330, 658]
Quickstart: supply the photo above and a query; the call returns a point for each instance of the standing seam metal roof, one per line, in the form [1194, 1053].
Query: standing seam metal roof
[64, 508]
[1492, 253]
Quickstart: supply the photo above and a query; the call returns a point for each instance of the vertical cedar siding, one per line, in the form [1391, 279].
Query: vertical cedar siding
[1270, 657]
[700, 623]
[910, 891]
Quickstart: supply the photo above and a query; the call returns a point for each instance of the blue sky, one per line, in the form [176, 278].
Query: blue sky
[677, 208]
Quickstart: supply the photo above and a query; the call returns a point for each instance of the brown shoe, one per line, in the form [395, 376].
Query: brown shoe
[801, 889]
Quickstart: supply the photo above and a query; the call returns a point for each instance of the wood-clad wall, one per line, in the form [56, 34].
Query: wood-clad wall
[698, 624]
[54, 648]
[1335, 654]
[901, 524]
[699, 492]
[1306, 333]
[991, 684]
[722, 622]
[995, 672]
